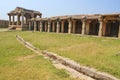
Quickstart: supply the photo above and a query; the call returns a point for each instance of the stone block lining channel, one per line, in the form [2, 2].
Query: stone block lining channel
[75, 70]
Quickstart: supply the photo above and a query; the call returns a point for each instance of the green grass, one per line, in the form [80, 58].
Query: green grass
[14, 64]
[99, 53]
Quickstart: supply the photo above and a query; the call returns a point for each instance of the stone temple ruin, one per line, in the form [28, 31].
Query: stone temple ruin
[23, 15]
[107, 25]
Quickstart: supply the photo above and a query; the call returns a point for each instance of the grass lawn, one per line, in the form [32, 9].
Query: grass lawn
[19, 63]
[99, 53]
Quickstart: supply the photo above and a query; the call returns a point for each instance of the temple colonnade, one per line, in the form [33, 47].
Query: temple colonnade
[100, 26]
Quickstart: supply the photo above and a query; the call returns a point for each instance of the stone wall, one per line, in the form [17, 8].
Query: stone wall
[3, 24]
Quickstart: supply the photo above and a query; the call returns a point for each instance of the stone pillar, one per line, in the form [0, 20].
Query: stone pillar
[35, 26]
[29, 25]
[22, 22]
[88, 27]
[9, 19]
[41, 26]
[45, 26]
[62, 27]
[119, 27]
[18, 19]
[70, 27]
[58, 26]
[83, 26]
[74, 26]
[13, 20]
[104, 28]
[49, 26]
[100, 27]
[53, 25]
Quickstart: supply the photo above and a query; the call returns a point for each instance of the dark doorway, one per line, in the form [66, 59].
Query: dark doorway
[66, 27]
[112, 28]
[78, 27]
[94, 28]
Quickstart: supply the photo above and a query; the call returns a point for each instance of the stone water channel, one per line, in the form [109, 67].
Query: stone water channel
[74, 69]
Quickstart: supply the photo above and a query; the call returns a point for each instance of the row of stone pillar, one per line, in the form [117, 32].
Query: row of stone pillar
[18, 20]
[71, 26]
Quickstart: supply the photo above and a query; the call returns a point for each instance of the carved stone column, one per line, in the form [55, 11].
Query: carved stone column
[74, 26]
[35, 26]
[119, 27]
[69, 26]
[18, 19]
[88, 27]
[9, 19]
[49, 26]
[29, 25]
[41, 26]
[53, 25]
[83, 26]
[62, 29]
[45, 26]
[100, 27]
[22, 22]
[13, 20]
[58, 26]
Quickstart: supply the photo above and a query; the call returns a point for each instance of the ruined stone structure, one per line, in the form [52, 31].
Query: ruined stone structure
[107, 25]
[3, 24]
[97, 24]
[22, 15]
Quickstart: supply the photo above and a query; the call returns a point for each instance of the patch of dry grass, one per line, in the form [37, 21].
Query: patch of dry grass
[94, 52]
[30, 66]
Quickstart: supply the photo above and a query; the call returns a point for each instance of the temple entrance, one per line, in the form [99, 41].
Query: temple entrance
[66, 27]
[94, 28]
[78, 27]
[112, 29]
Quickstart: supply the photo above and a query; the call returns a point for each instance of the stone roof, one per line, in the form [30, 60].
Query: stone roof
[19, 10]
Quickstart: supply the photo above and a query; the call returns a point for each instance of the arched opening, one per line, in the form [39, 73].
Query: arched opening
[94, 27]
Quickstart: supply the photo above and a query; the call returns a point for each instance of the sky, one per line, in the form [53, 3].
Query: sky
[51, 8]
